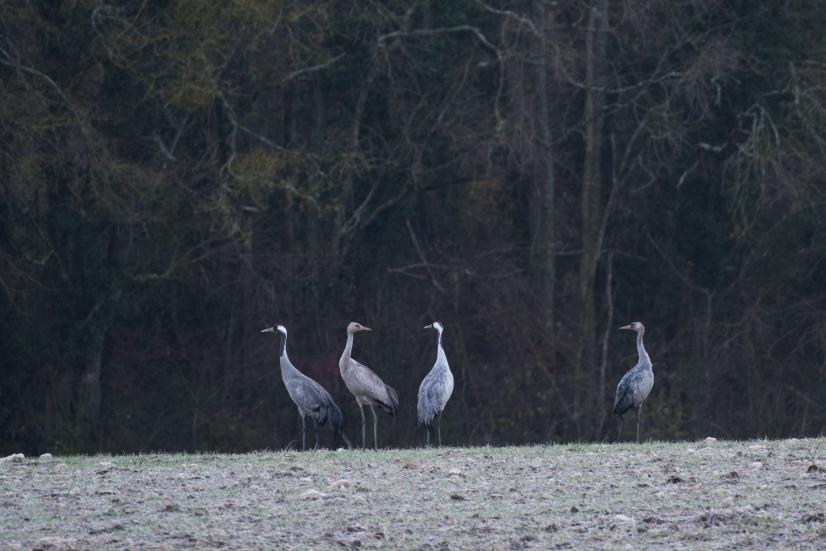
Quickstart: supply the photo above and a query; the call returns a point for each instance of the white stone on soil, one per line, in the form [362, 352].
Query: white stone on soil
[312, 494]
[623, 521]
[15, 457]
[52, 543]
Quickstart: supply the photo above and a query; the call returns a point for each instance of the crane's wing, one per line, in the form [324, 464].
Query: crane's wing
[632, 389]
[430, 396]
[312, 397]
[369, 384]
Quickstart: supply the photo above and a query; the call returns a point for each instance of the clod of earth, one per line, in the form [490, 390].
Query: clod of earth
[341, 484]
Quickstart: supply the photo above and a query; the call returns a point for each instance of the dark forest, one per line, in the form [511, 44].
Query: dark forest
[177, 175]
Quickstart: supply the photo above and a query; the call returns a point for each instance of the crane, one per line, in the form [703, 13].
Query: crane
[436, 388]
[367, 387]
[309, 396]
[636, 384]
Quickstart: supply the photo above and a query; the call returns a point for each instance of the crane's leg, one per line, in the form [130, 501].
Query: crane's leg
[427, 442]
[439, 428]
[303, 432]
[619, 428]
[315, 430]
[375, 429]
[639, 414]
[363, 424]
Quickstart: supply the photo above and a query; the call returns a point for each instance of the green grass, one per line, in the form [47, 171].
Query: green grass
[684, 495]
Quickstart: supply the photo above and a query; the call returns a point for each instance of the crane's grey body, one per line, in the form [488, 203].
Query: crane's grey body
[436, 388]
[636, 385]
[367, 387]
[309, 396]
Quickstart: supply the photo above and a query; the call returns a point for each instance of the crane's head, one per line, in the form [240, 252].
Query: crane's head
[280, 328]
[634, 326]
[436, 325]
[355, 327]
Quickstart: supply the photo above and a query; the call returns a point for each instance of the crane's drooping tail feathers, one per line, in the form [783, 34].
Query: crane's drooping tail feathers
[339, 437]
[393, 406]
[427, 409]
[621, 407]
[332, 414]
[337, 424]
[623, 402]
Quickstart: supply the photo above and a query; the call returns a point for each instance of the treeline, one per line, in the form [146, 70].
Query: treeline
[178, 175]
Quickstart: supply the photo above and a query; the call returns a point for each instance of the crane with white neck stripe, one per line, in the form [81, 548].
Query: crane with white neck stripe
[309, 396]
[436, 388]
[636, 384]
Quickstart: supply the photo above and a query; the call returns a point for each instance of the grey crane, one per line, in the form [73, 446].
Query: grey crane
[635, 385]
[366, 386]
[436, 388]
[309, 396]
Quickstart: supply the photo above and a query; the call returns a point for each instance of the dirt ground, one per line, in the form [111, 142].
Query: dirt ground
[709, 495]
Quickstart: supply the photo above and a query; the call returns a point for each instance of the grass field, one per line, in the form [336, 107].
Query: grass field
[685, 495]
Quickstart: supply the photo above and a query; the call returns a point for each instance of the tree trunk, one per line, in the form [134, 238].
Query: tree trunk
[601, 394]
[542, 248]
[591, 201]
[87, 403]
[89, 395]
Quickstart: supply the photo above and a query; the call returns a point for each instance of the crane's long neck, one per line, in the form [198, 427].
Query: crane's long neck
[287, 368]
[644, 359]
[348, 351]
[440, 352]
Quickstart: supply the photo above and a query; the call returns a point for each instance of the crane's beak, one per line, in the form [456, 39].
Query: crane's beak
[428, 326]
[363, 328]
[268, 330]
[627, 327]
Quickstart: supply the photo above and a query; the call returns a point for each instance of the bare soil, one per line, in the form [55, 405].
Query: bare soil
[709, 495]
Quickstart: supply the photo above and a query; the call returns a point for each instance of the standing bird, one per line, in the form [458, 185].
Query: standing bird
[436, 388]
[366, 386]
[635, 385]
[310, 397]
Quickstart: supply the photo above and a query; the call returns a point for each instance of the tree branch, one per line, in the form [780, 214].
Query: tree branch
[300, 72]
[521, 19]
[444, 30]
